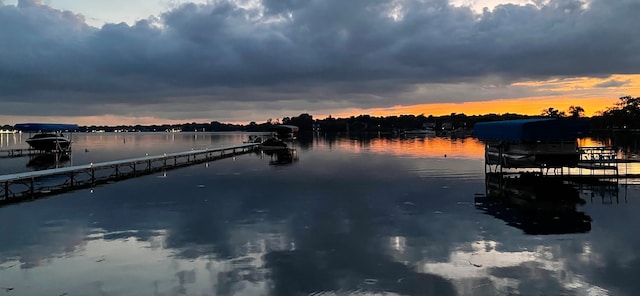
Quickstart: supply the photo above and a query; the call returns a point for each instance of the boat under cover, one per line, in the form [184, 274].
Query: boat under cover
[48, 137]
[48, 142]
[273, 144]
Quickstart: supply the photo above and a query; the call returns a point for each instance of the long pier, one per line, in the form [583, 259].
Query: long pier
[10, 153]
[37, 184]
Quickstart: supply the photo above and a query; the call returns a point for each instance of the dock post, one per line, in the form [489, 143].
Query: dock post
[6, 190]
[93, 175]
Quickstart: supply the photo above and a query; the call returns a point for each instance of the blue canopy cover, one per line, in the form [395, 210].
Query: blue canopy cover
[543, 129]
[45, 127]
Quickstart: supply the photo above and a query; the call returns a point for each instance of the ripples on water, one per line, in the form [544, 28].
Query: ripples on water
[351, 216]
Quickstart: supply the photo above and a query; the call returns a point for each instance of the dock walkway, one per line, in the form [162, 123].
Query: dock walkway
[32, 185]
[20, 152]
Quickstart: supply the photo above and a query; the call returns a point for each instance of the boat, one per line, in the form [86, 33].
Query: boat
[279, 134]
[49, 142]
[273, 144]
[533, 154]
[532, 143]
[284, 131]
[48, 136]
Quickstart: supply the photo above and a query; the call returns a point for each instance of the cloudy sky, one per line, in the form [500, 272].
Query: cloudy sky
[172, 61]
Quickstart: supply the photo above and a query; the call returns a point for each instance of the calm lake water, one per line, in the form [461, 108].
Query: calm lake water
[350, 216]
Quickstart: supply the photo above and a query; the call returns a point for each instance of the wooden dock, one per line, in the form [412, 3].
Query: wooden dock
[10, 153]
[36, 184]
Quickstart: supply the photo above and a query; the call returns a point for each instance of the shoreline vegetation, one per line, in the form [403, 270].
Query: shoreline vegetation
[623, 116]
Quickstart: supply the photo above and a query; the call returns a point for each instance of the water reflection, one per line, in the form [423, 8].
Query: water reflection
[627, 143]
[12, 140]
[534, 204]
[347, 220]
[49, 161]
[431, 147]
[282, 156]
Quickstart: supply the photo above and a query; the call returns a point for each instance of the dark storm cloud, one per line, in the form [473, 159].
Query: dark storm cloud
[285, 48]
[613, 83]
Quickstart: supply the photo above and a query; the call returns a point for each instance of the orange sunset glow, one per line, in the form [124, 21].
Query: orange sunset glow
[593, 94]
[484, 57]
[526, 106]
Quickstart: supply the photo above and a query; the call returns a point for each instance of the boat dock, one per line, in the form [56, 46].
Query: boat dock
[548, 148]
[10, 153]
[36, 184]
[594, 164]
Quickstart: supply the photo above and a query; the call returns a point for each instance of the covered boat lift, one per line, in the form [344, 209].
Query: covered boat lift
[45, 127]
[284, 131]
[48, 137]
[532, 143]
[535, 171]
[547, 147]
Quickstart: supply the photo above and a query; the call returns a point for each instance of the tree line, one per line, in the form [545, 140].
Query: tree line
[624, 115]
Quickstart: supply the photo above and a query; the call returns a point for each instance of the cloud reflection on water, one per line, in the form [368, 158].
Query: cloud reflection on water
[340, 220]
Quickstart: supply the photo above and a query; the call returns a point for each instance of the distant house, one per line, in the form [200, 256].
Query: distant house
[429, 125]
[447, 126]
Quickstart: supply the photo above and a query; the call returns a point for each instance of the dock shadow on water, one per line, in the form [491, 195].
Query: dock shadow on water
[350, 217]
[49, 161]
[535, 204]
[279, 157]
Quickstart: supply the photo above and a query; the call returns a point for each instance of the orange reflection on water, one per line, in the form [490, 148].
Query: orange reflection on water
[589, 142]
[434, 147]
[425, 147]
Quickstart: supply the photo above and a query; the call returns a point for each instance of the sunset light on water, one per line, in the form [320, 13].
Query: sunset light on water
[331, 147]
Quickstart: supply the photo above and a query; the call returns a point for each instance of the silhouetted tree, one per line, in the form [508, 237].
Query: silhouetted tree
[576, 111]
[625, 114]
[552, 112]
[304, 121]
[629, 105]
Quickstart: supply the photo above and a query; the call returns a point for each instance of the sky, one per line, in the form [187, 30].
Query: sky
[170, 61]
